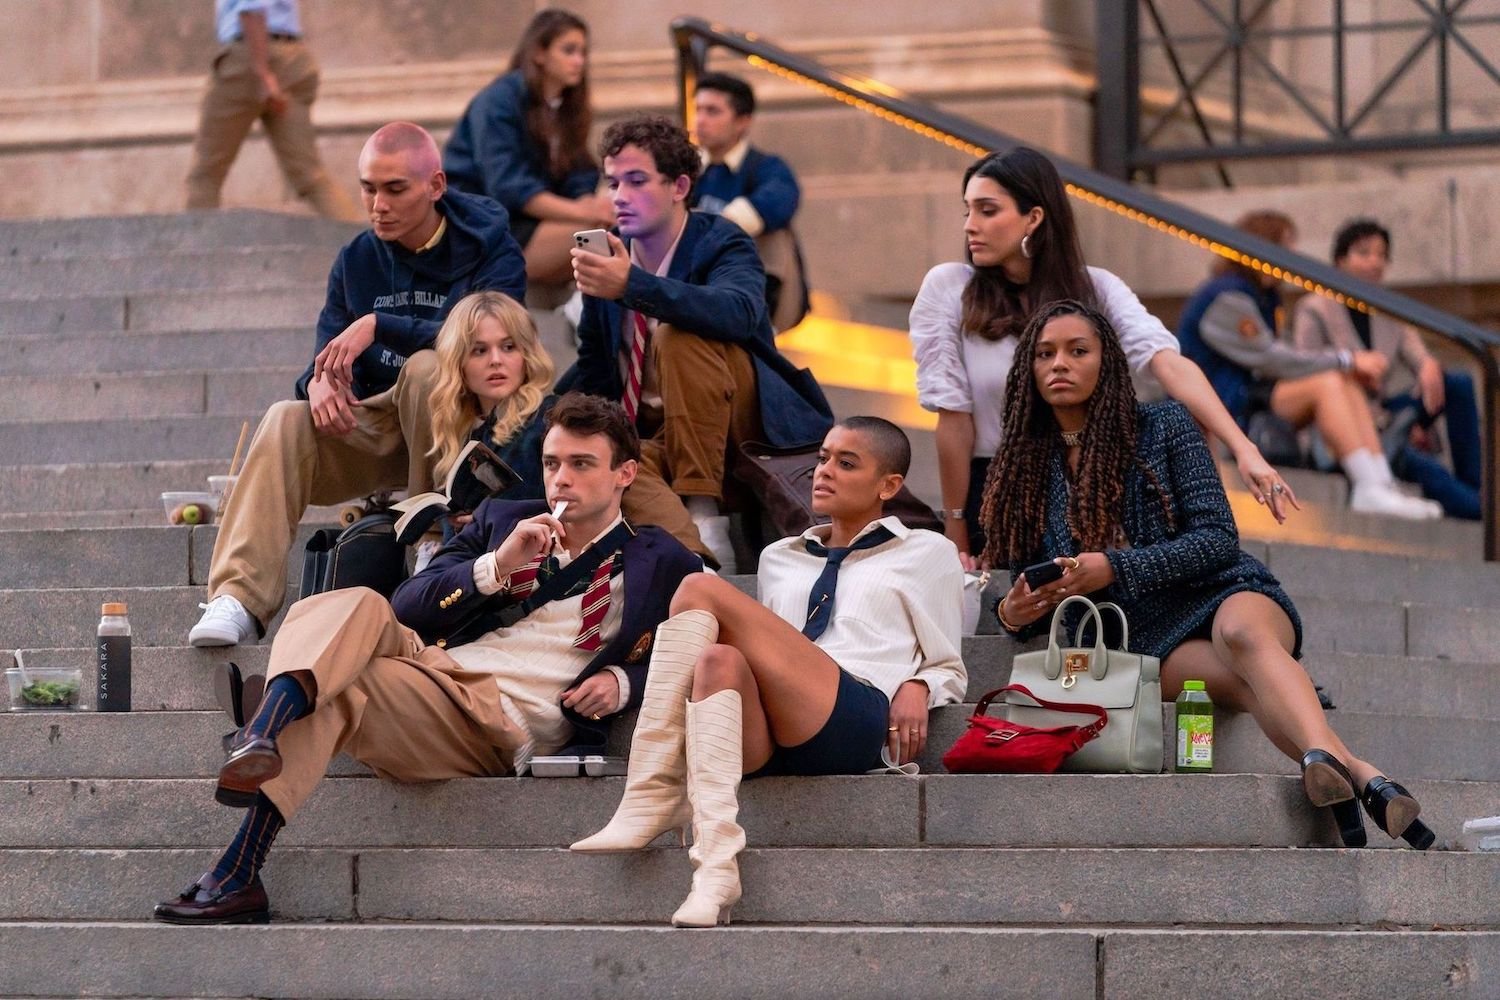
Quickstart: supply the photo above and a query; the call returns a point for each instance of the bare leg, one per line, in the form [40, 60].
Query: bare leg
[781, 675]
[1197, 660]
[1332, 401]
[1254, 638]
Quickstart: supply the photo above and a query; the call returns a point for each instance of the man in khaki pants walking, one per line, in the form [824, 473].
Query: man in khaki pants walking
[262, 71]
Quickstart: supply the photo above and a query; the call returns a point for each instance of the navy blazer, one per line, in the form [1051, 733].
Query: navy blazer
[1170, 579]
[716, 289]
[444, 607]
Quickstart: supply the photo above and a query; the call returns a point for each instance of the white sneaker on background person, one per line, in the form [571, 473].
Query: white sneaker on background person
[714, 531]
[1378, 498]
[225, 622]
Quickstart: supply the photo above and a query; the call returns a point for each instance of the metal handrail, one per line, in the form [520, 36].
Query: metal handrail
[695, 37]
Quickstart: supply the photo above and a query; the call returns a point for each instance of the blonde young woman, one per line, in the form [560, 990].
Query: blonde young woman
[494, 384]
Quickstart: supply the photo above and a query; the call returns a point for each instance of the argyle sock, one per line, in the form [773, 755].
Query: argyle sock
[283, 702]
[247, 851]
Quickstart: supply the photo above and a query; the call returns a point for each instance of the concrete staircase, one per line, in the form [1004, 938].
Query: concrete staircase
[135, 349]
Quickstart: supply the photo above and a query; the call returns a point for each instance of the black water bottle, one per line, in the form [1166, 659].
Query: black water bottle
[113, 650]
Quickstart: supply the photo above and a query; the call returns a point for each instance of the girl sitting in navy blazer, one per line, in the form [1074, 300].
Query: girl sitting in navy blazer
[1127, 499]
[523, 141]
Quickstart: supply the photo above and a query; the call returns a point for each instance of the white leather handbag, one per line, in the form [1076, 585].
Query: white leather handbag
[1126, 685]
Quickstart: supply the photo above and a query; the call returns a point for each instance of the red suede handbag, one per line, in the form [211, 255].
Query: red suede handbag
[996, 746]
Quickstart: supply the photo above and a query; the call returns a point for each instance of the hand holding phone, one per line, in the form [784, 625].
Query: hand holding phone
[1042, 574]
[595, 241]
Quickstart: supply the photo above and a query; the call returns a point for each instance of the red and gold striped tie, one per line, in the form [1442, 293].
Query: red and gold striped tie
[638, 346]
[595, 607]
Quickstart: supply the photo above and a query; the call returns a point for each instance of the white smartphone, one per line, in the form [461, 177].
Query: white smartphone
[594, 241]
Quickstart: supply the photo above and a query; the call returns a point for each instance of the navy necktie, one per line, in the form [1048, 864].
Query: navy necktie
[820, 601]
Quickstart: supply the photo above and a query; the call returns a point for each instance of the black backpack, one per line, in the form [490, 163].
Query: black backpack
[365, 554]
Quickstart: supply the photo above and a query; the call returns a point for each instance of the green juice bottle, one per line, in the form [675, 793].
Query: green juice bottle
[1195, 730]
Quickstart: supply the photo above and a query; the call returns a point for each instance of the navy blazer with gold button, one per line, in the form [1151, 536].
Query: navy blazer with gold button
[444, 607]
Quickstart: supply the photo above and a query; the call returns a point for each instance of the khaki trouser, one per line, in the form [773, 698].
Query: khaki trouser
[232, 104]
[709, 405]
[404, 709]
[290, 466]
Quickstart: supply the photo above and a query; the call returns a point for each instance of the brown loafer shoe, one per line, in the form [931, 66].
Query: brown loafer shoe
[252, 762]
[203, 903]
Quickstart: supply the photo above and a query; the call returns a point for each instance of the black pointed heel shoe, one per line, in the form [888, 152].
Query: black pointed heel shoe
[1327, 782]
[1394, 810]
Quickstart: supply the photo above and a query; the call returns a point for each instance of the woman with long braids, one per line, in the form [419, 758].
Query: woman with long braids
[523, 141]
[1127, 500]
[1023, 250]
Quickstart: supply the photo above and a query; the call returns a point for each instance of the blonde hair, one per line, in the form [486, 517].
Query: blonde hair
[454, 407]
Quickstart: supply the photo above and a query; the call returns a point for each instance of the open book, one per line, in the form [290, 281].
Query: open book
[477, 475]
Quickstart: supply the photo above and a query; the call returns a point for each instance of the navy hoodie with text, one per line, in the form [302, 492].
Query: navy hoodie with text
[410, 293]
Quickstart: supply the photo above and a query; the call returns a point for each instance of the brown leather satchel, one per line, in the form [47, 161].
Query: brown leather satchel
[781, 479]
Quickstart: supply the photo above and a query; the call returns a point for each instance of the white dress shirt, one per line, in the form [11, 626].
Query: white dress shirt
[897, 608]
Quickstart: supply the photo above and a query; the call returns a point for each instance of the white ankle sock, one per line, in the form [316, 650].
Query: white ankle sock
[701, 507]
[1365, 467]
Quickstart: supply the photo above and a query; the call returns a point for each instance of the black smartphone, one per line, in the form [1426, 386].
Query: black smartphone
[1042, 574]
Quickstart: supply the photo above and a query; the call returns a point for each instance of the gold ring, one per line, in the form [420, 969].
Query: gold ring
[894, 729]
[595, 717]
[1073, 562]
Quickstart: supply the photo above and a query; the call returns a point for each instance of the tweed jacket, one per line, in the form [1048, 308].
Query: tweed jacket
[1320, 323]
[655, 563]
[1168, 579]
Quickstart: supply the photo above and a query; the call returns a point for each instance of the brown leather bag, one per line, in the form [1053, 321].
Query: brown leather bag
[781, 479]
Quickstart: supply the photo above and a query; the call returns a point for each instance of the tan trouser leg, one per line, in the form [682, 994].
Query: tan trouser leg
[649, 500]
[230, 107]
[295, 140]
[290, 466]
[709, 403]
[404, 709]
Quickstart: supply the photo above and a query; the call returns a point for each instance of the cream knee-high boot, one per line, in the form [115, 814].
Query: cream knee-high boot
[715, 763]
[654, 799]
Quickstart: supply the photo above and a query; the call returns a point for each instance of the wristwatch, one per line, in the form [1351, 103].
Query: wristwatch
[953, 514]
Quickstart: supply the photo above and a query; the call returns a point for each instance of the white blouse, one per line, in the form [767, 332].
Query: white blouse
[896, 610]
[967, 373]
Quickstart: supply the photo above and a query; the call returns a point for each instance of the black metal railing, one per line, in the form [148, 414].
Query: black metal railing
[1333, 118]
[694, 38]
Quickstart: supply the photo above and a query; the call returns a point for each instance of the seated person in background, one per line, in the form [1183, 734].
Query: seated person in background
[523, 634]
[1414, 380]
[856, 638]
[361, 421]
[1229, 328]
[523, 140]
[674, 327]
[755, 190]
[1126, 498]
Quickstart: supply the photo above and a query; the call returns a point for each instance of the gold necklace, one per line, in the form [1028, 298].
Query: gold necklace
[1072, 438]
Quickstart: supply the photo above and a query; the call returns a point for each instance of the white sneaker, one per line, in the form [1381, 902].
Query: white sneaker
[715, 534]
[1377, 498]
[225, 622]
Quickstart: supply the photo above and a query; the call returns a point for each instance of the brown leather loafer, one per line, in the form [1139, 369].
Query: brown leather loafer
[252, 762]
[203, 903]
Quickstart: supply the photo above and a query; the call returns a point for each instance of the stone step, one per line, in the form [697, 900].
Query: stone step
[1041, 810]
[153, 235]
[186, 744]
[1195, 887]
[30, 399]
[159, 616]
[740, 962]
[173, 678]
[229, 268]
[279, 305]
[101, 486]
[147, 439]
[191, 350]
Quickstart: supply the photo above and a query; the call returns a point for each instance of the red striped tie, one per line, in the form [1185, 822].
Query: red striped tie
[638, 344]
[595, 607]
[522, 581]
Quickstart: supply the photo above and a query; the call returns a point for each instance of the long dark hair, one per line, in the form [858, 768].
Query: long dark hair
[563, 133]
[992, 303]
[1015, 492]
